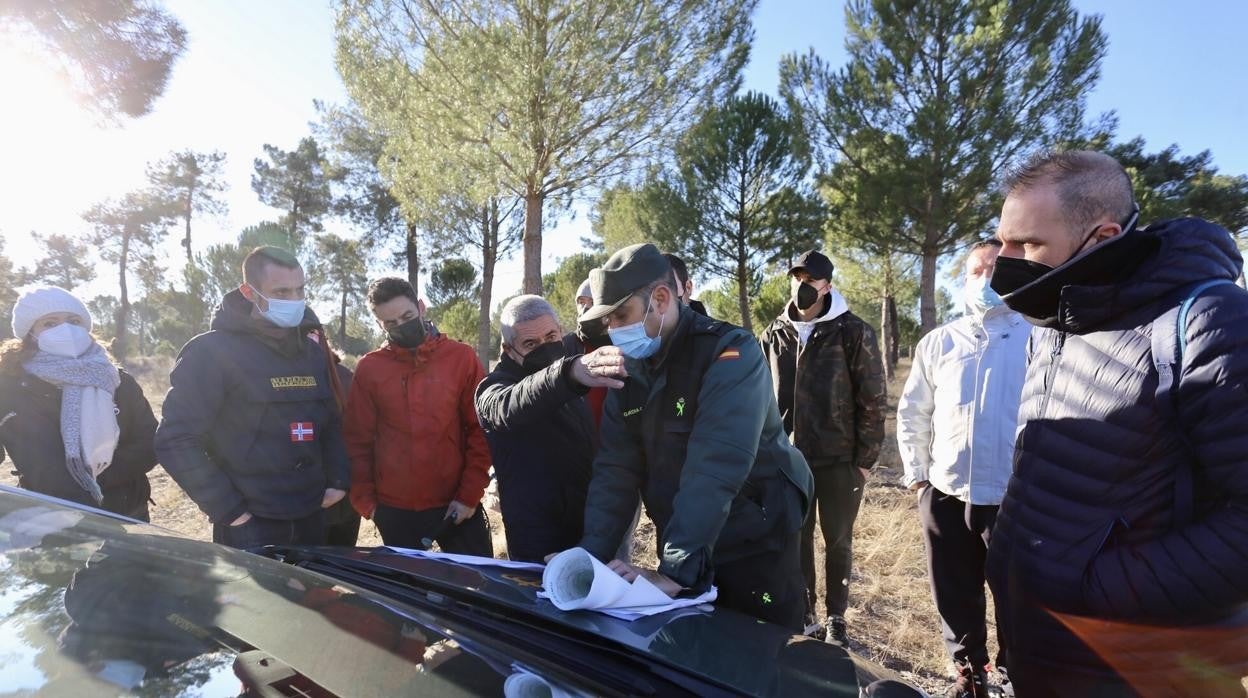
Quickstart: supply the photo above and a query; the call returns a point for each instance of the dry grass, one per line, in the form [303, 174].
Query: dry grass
[892, 619]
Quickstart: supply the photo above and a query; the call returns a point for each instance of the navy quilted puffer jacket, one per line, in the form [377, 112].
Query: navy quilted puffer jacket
[1087, 526]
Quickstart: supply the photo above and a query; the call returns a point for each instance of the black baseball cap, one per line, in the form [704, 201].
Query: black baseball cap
[814, 262]
[627, 271]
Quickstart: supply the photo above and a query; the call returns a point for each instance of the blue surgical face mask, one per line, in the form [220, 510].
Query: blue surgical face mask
[633, 340]
[980, 296]
[282, 313]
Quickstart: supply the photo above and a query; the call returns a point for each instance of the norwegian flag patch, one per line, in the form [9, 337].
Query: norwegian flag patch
[301, 431]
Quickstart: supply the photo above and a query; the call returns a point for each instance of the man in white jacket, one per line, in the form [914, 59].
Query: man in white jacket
[956, 423]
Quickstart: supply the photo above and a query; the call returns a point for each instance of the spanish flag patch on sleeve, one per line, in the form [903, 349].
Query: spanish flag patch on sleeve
[729, 354]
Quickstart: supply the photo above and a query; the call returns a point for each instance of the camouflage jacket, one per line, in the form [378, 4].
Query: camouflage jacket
[831, 392]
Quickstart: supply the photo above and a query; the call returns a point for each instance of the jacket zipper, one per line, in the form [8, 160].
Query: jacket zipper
[1050, 374]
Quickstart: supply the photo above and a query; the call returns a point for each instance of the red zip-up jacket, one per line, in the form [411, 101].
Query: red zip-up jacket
[411, 428]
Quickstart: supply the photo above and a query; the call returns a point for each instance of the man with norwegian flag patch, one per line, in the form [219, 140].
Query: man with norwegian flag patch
[252, 422]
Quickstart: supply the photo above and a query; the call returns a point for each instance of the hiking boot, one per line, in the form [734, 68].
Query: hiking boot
[836, 632]
[971, 682]
[1003, 689]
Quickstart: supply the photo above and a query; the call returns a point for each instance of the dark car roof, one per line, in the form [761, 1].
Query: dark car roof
[90, 603]
[728, 648]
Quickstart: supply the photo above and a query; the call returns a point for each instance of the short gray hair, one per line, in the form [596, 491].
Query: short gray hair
[1089, 184]
[522, 309]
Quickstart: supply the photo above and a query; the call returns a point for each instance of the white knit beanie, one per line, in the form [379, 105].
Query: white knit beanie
[42, 300]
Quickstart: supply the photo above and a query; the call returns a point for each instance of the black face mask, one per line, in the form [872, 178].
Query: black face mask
[543, 356]
[409, 335]
[806, 296]
[1034, 289]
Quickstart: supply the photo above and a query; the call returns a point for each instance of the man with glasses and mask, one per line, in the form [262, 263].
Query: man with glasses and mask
[696, 431]
[1120, 552]
[419, 460]
[541, 434]
[251, 425]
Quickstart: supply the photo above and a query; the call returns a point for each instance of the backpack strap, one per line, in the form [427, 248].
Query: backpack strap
[1169, 342]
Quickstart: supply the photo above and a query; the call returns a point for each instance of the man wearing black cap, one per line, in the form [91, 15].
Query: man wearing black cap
[695, 430]
[829, 381]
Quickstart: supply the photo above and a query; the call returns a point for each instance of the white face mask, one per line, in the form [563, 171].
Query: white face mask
[68, 340]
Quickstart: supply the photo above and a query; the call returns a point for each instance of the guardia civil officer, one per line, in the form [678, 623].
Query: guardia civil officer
[696, 431]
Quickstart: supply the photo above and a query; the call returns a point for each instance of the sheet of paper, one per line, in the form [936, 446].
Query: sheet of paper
[467, 559]
[576, 580]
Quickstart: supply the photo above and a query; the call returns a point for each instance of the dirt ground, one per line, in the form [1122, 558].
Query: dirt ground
[891, 618]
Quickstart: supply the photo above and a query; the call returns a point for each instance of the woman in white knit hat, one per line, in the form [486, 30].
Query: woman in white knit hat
[73, 424]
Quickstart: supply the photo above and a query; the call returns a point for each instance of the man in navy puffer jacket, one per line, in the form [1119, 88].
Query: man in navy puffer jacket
[1107, 587]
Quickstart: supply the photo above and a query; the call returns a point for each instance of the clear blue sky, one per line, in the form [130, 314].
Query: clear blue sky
[1175, 73]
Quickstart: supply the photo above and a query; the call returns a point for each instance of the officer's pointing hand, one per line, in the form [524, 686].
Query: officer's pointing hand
[601, 368]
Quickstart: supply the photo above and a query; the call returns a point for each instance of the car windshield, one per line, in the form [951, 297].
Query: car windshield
[100, 606]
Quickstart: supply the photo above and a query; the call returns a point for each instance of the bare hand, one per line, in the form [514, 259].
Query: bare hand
[460, 512]
[625, 570]
[601, 368]
[664, 583]
[866, 473]
[332, 497]
[630, 574]
[919, 485]
[242, 519]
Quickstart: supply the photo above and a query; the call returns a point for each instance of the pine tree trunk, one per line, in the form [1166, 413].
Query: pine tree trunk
[491, 223]
[186, 241]
[886, 338]
[743, 294]
[121, 343]
[342, 321]
[412, 252]
[927, 291]
[533, 202]
[894, 345]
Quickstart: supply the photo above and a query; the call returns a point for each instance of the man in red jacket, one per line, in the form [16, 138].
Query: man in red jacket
[419, 460]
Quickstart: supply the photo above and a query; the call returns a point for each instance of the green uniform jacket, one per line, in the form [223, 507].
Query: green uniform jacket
[740, 484]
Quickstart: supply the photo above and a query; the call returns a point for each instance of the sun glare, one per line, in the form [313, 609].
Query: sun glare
[45, 145]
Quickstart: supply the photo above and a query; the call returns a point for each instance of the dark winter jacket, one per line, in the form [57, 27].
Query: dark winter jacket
[719, 478]
[250, 424]
[342, 513]
[542, 440]
[30, 431]
[831, 392]
[1087, 527]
